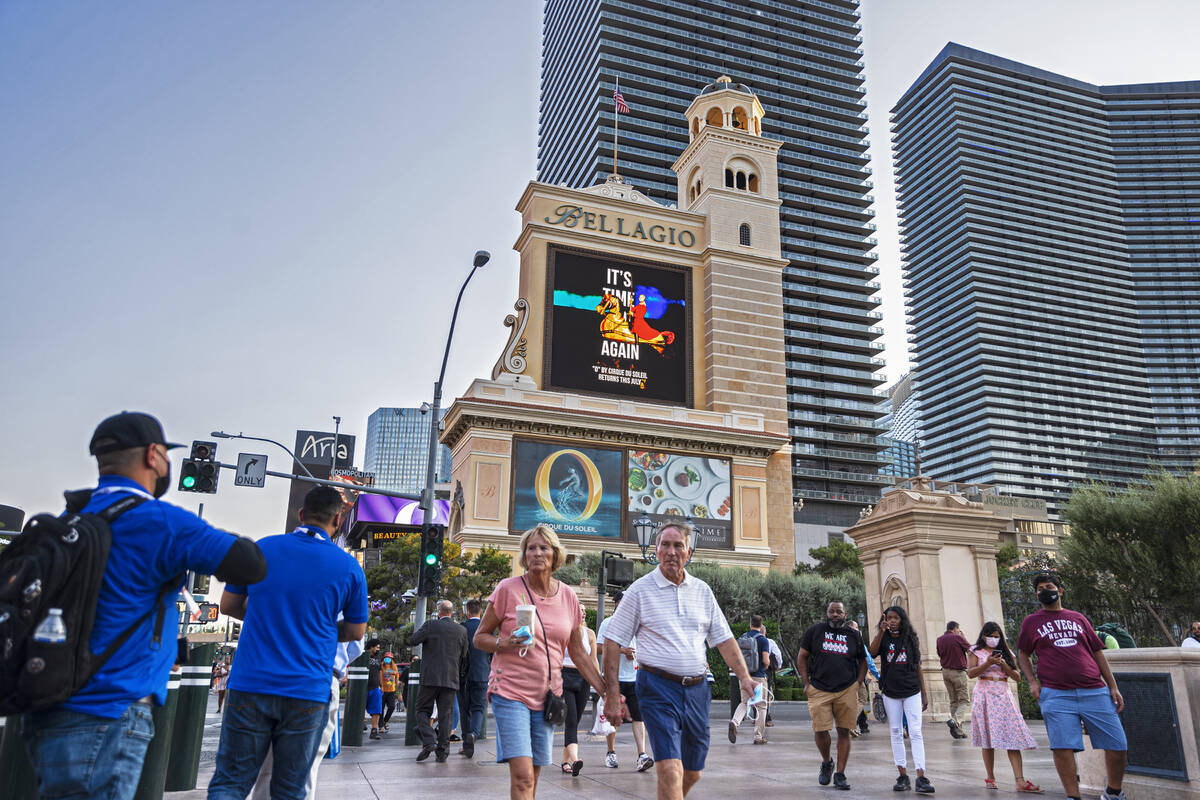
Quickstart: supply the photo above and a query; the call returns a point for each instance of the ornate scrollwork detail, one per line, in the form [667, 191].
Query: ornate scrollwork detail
[513, 359]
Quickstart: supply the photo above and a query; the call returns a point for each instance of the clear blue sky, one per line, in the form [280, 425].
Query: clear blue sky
[253, 216]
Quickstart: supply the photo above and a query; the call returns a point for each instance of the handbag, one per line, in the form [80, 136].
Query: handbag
[554, 708]
[878, 710]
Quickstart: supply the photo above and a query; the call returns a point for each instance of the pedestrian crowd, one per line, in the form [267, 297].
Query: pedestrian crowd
[303, 603]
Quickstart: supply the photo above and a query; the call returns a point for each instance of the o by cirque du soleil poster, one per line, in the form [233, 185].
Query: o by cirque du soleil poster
[619, 328]
[575, 490]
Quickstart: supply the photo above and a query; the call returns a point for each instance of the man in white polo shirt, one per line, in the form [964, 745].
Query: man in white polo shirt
[672, 614]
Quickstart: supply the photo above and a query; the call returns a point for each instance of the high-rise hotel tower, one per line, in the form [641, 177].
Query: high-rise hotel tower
[1051, 239]
[802, 58]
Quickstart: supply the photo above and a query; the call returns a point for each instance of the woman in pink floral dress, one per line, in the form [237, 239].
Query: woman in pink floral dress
[996, 720]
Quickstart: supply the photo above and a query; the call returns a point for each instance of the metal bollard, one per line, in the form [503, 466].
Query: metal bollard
[20, 783]
[154, 767]
[190, 709]
[410, 704]
[356, 702]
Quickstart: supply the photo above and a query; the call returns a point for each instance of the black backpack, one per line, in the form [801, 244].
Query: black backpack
[58, 562]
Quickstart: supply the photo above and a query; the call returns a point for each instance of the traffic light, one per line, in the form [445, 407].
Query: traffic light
[619, 571]
[200, 471]
[200, 584]
[429, 573]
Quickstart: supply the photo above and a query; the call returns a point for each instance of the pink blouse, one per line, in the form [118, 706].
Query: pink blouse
[994, 671]
[524, 678]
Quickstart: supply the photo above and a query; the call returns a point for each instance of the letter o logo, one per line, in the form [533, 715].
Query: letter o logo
[541, 485]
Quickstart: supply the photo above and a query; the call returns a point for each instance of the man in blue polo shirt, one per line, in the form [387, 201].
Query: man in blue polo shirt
[279, 687]
[93, 745]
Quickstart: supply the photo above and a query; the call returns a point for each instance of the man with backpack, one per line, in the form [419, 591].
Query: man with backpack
[756, 651]
[116, 641]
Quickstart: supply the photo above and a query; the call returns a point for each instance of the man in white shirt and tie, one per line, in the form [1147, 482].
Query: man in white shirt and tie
[672, 614]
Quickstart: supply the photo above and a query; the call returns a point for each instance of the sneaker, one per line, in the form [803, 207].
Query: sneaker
[645, 762]
[441, 758]
[1106, 796]
[955, 730]
[826, 773]
[610, 760]
[454, 737]
[425, 753]
[468, 748]
[375, 734]
[385, 727]
[757, 740]
[840, 782]
[923, 785]
[902, 784]
[864, 728]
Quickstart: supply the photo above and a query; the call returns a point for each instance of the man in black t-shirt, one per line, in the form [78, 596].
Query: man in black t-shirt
[374, 690]
[832, 662]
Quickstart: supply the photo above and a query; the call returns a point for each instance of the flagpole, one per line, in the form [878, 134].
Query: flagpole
[616, 126]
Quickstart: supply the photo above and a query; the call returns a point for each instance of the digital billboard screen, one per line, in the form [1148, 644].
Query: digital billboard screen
[618, 327]
[575, 490]
[669, 486]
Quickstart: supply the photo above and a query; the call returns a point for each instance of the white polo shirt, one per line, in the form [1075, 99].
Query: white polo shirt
[674, 625]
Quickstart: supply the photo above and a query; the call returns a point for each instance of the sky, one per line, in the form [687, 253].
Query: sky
[255, 216]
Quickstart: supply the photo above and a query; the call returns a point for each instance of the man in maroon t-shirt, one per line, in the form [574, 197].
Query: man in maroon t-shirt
[1073, 683]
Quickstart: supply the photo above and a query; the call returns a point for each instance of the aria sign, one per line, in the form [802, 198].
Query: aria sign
[572, 216]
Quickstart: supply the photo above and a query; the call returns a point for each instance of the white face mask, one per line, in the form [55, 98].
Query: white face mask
[992, 641]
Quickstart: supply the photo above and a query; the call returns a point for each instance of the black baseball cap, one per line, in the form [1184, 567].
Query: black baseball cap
[126, 430]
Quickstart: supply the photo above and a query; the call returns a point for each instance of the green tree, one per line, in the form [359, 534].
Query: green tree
[835, 558]
[1139, 545]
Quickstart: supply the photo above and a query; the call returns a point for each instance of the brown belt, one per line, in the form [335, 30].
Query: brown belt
[681, 680]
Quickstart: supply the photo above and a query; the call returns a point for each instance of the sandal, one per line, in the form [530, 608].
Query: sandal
[1029, 787]
[988, 783]
[576, 768]
[566, 768]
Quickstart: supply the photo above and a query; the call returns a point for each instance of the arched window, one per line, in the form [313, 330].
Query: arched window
[753, 183]
[739, 118]
[729, 178]
[741, 180]
[715, 117]
[695, 125]
[691, 195]
[744, 234]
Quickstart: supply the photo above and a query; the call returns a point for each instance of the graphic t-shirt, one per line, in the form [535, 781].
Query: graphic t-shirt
[833, 656]
[1063, 642]
[901, 660]
[523, 678]
[389, 674]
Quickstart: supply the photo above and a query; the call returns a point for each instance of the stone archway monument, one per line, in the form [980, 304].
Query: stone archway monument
[934, 554]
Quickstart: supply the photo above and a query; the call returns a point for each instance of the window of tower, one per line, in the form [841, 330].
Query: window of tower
[695, 126]
[740, 180]
[757, 127]
[739, 118]
[715, 117]
[744, 234]
[753, 183]
[729, 178]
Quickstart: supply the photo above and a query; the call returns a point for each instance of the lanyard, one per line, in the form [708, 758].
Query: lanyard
[130, 489]
[316, 533]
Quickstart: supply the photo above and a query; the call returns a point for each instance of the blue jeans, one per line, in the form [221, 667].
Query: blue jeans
[253, 722]
[78, 756]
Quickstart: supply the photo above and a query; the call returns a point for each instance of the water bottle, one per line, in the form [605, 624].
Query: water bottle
[52, 629]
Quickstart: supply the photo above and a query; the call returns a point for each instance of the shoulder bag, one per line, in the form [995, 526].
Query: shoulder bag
[554, 709]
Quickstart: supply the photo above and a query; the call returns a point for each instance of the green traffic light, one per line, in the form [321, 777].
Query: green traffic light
[188, 481]
[431, 559]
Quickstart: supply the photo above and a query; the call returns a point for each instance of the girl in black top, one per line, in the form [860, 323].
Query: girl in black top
[903, 688]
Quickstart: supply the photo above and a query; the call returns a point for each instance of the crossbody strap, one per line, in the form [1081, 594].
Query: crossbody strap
[545, 638]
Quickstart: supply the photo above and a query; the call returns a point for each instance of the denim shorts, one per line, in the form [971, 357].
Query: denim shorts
[78, 755]
[676, 719]
[521, 732]
[1063, 709]
[374, 701]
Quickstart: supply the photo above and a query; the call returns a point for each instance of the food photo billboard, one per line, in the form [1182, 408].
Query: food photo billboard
[618, 327]
[670, 486]
[575, 490]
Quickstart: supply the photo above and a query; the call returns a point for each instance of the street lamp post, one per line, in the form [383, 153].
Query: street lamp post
[643, 526]
[481, 258]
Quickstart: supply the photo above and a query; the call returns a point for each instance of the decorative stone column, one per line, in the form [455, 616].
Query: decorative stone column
[934, 554]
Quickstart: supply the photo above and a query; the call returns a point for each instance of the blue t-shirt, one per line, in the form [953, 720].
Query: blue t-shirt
[761, 646]
[290, 634]
[151, 544]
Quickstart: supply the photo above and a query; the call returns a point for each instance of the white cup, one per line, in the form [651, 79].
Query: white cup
[525, 616]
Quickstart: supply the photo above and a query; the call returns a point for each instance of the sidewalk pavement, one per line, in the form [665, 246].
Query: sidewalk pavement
[387, 770]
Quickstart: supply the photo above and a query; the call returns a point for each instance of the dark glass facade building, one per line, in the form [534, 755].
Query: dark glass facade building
[803, 59]
[1052, 266]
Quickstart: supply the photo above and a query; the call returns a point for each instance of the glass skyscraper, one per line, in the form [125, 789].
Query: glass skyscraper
[398, 449]
[1052, 265]
[802, 58]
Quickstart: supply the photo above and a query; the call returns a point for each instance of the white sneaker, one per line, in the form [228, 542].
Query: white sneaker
[645, 762]
[610, 760]
[1106, 796]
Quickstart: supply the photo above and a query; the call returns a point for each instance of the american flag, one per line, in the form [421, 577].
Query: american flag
[619, 99]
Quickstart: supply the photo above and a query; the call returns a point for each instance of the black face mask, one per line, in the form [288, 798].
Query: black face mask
[163, 483]
[1047, 597]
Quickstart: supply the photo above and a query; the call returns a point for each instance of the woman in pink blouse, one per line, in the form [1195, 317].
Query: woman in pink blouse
[523, 669]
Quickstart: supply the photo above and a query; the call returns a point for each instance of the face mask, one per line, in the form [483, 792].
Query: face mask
[992, 641]
[387, 661]
[1047, 597]
[162, 484]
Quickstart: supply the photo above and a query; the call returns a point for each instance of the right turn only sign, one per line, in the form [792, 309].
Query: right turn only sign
[251, 470]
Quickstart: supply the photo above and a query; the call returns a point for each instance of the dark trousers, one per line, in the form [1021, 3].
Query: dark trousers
[426, 697]
[471, 706]
[575, 693]
[389, 707]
